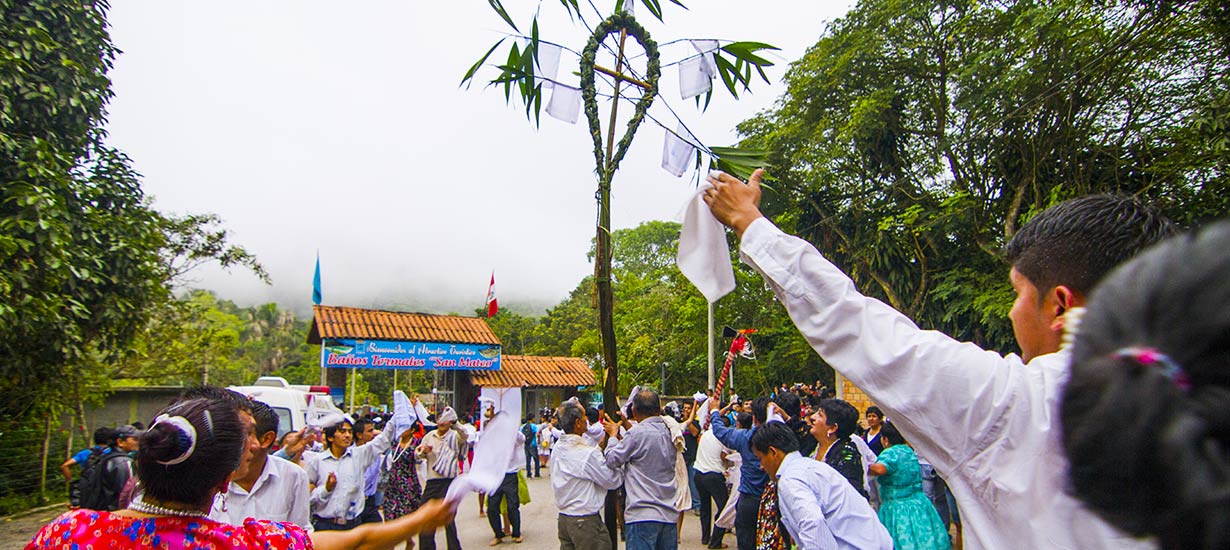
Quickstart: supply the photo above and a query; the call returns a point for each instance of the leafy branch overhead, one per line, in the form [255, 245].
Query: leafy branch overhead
[737, 63]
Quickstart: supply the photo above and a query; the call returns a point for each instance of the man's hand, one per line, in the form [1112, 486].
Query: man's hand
[331, 482]
[734, 203]
[611, 428]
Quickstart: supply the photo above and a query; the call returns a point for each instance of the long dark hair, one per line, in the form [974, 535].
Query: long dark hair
[177, 465]
[1146, 412]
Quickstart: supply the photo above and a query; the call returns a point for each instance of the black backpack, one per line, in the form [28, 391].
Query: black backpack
[95, 494]
[87, 469]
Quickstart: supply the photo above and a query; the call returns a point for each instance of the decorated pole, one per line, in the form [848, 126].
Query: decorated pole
[739, 346]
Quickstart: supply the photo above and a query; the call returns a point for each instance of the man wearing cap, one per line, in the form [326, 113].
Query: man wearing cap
[441, 448]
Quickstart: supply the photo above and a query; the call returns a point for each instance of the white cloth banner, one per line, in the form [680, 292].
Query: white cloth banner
[677, 152]
[694, 78]
[546, 64]
[565, 103]
[772, 416]
[404, 414]
[491, 455]
[704, 257]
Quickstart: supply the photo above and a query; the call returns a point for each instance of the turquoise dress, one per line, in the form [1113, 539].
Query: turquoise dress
[904, 509]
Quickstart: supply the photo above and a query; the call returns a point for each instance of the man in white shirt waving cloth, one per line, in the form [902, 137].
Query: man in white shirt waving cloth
[264, 486]
[819, 508]
[988, 423]
[336, 475]
[580, 479]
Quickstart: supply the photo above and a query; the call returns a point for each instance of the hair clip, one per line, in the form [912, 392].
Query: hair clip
[187, 437]
[1154, 358]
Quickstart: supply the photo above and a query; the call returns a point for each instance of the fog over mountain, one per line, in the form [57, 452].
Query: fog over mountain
[317, 126]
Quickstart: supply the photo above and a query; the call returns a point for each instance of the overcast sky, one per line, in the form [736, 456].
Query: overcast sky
[340, 127]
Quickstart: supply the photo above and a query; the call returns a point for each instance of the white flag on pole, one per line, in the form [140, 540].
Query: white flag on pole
[678, 152]
[565, 103]
[694, 78]
[546, 65]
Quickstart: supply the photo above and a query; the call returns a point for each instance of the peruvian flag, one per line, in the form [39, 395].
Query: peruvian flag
[492, 305]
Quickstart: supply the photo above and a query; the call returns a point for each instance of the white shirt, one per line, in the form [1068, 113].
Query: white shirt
[988, 423]
[593, 434]
[822, 511]
[709, 454]
[280, 493]
[580, 477]
[346, 500]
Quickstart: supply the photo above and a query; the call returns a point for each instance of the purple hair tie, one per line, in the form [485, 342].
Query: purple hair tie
[1153, 358]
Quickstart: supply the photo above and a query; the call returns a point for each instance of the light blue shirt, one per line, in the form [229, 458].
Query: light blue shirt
[822, 511]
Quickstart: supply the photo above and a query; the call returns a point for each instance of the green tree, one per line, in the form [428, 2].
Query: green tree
[916, 137]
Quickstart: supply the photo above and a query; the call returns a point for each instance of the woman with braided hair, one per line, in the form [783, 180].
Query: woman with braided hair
[1146, 412]
[188, 455]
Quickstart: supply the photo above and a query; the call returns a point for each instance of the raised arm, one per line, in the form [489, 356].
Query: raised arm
[386, 535]
[947, 396]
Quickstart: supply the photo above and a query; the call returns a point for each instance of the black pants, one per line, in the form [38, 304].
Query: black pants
[507, 490]
[371, 513]
[331, 524]
[531, 453]
[436, 488]
[611, 513]
[745, 520]
[712, 492]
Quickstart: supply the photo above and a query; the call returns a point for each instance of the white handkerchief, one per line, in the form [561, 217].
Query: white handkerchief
[707, 49]
[694, 78]
[565, 103]
[403, 414]
[628, 403]
[677, 153]
[704, 256]
[702, 414]
[772, 416]
[421, 412]
[546, 65]
[491, 458]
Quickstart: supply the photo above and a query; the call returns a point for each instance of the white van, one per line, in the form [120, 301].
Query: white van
[297, 406]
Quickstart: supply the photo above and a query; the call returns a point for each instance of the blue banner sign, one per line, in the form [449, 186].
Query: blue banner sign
[385, 354]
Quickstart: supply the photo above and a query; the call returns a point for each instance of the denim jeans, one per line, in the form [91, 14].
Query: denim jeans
[651, 535]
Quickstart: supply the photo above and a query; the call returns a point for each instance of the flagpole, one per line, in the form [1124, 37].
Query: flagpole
[710, 342]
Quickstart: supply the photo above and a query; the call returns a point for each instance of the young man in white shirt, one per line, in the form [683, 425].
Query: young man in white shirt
[336, 475]
[819, 508]
[711, 487]
[580, 479]
[987, 422]
[264, 487]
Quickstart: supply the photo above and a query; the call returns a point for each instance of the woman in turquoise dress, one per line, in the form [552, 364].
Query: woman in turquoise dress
[904, 509]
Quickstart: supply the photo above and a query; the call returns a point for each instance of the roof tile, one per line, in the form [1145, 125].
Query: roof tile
[524, 370]
[369, 324]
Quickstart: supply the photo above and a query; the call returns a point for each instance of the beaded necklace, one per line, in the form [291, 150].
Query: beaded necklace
[138, 504]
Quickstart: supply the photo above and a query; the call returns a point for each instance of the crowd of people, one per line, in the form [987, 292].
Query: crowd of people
[1036, 448]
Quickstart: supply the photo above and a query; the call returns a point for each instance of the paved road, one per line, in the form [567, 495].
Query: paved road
[537, 524]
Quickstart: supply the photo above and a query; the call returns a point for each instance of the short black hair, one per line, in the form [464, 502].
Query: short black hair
[840, 413]
[760, 409]
[1077, 242]
[777, 435]
[790, 403]
[104, 436]
[1146, 411]
[744, 420]
[266, 418]
[646, 403]
[876, 411]
[593, 414]
[361, 425]
[330, 431]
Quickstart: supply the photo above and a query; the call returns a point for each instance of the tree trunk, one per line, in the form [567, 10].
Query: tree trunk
[42, 474]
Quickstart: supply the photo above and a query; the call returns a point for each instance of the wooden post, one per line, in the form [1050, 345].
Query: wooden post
[42, 475]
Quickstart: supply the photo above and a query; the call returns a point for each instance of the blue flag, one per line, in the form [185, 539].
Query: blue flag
[316, 294]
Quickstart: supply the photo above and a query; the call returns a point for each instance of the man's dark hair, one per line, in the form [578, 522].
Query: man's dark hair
[876, 411]
[104, 436]
[760, 409]
[646, 403]
[593, 414]
[840, 413]
[744, 420]
[330, 431]
[774, 434]
[790, 403]
[266, 418]
[361, 425]
[214, 393]
[568, 414]
[1077, 242]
